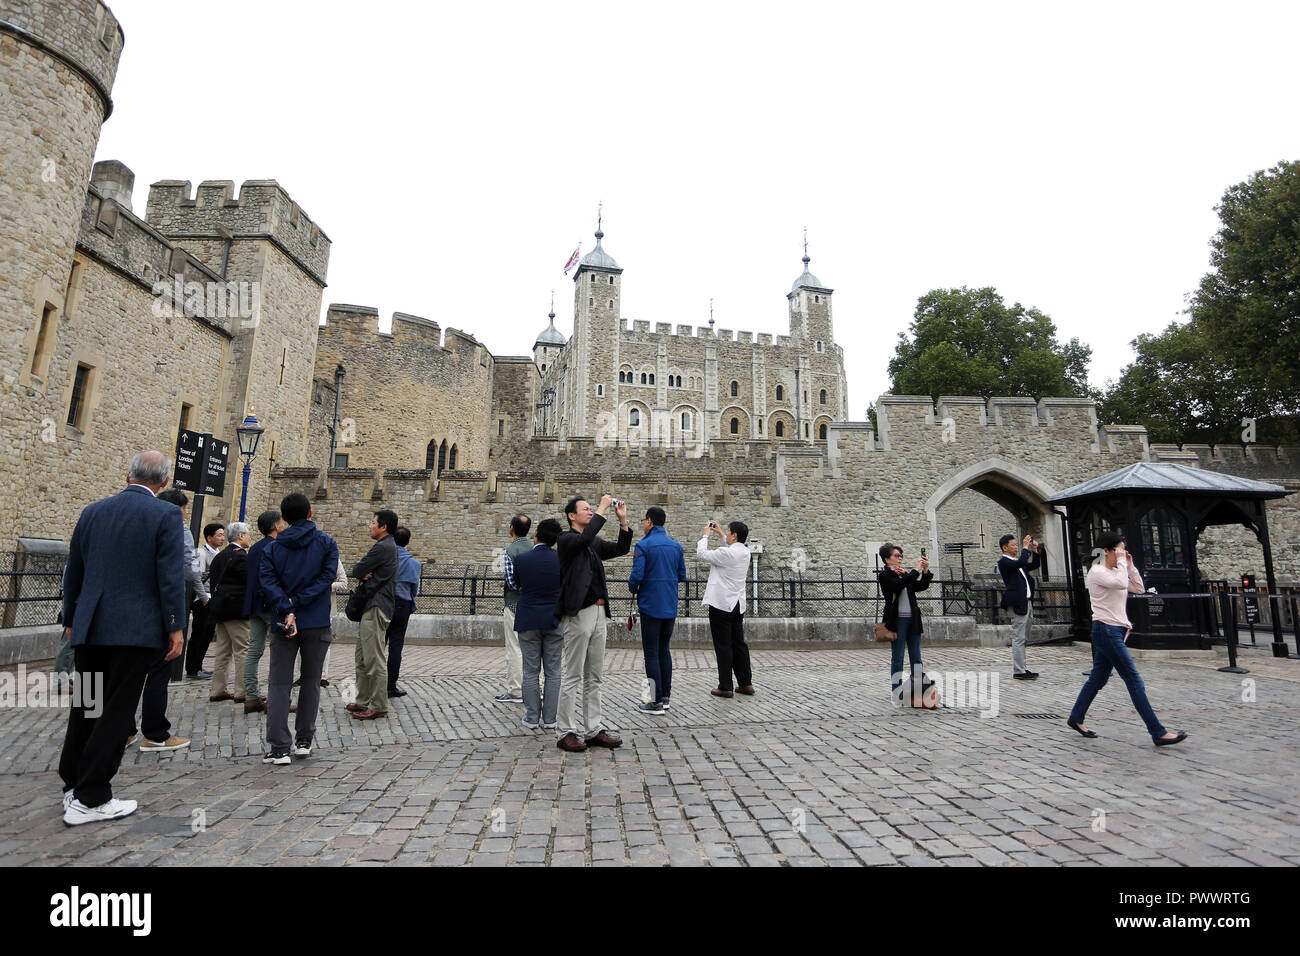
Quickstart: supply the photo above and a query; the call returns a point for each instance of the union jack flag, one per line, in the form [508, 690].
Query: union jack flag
[573, 259]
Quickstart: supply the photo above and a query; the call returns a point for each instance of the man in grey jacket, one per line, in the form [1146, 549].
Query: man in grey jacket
[377, 574]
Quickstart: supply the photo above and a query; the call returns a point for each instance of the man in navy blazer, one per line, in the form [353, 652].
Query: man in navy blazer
[123, 601]
[1015, 565]
[535, 575]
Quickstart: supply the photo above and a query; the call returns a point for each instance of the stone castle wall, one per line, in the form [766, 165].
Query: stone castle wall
[402, 390]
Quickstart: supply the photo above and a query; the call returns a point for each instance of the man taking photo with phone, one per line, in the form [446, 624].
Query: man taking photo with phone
[1015, 564]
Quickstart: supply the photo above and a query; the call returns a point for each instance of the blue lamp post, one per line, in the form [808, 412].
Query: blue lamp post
[249, 433]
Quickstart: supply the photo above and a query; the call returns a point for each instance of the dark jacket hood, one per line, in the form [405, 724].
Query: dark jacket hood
[297, 536]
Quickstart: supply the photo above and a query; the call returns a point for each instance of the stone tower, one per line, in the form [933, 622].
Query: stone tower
[810, 308]
[277, 257]
[549, 342]
[596, 326]
[58, 60]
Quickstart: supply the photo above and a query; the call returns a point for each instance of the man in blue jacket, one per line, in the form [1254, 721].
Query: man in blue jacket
[123, 601]
[657, 567]
[296, 571]
[535, 577]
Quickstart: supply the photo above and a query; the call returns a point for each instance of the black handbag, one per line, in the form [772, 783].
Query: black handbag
[357, 601]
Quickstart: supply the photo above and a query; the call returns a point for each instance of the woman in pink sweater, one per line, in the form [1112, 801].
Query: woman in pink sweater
[1109, 582]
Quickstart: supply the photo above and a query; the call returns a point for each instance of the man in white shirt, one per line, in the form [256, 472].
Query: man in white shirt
[725, 597]
[201, 626]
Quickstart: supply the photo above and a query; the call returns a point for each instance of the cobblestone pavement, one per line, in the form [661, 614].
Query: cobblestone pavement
[817, 769]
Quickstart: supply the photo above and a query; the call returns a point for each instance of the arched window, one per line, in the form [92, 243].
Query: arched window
[620, 378]
[735, 425]
[823, 396]
[442, 457]
[686, 421]
[431, 455]
[643, 378]
[780, 393]
[735, 388]
[780, 429]
[634, 418]
[652, 378]
[543, 366]
[760, 426]
[821, 431]
[451, 459]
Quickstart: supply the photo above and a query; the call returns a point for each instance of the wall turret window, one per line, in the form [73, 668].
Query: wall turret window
[822, 397]
[780, 429]
[643, 378]
[735, 389]
[652, 378]
[780, 393]
[686, 421]
[821, 431]
[634, 418]
[451, 459]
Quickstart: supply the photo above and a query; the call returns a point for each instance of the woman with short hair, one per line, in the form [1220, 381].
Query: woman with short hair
[902, 614]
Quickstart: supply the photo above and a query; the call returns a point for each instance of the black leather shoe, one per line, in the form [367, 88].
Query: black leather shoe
[1086, 733]
[1027, 675]
[1170, 741]
[397, 692]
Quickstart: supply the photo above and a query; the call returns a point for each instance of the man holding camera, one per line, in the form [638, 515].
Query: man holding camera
[1015, 564]
[583, 609]
[296, 572]
[725, 597]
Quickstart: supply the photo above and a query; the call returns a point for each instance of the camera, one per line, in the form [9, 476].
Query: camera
[616, 502]
[280, 629]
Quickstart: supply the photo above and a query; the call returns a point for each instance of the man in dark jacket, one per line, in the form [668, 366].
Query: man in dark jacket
[123, 600]
[1015, 564]
[258, 612]
[535, 578]
[377, 574]
[583, 608]
[657, 568]
[296, 572]
[229, 577]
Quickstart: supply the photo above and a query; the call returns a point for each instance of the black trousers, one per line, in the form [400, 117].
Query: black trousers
[153, 702]
[728, 630]
[396, 638]
[201, 630]
[109, 682]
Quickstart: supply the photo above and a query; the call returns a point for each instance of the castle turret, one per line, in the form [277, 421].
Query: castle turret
[596, 324]
[810, 308]
[549, 342]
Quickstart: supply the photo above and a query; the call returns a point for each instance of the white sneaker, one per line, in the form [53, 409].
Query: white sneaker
[68, 797]
[301, 749]
[78, 813]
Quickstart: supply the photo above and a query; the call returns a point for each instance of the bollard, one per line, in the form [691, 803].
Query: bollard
[1230, 624]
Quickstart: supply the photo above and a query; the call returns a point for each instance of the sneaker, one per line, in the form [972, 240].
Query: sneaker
[68, 797]
[530, 725]
[171, 743]
[324, 681]
[665, 704]
[508, 698]
[550, 726]
[652, 708]
[273, 757]
[1027, 675]
[201, 675]
[302, 748]
[78, 813]
[132, 739]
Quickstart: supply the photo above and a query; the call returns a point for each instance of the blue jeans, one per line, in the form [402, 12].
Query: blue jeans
[1109, 652]
[913, 644]
[656, 632]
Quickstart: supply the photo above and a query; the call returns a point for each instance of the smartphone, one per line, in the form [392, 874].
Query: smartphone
[923, 552]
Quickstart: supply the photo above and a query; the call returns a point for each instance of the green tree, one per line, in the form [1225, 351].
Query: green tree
[1238, 358]
[969, 342]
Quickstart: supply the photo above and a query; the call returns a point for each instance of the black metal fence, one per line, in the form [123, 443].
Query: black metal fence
[31, 588]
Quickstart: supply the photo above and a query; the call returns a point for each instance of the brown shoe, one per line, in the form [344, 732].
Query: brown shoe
[254, 706]
[718, 692]
[355, 707]
[571, 742]
[369, 714]
[747, 690]
[605, 739]
[221, 697]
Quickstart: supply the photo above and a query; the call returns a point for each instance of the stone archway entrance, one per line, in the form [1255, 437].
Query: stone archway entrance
[1012, 490]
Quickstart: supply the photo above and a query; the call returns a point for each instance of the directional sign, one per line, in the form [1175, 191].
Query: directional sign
[200, 463]
[214, 467]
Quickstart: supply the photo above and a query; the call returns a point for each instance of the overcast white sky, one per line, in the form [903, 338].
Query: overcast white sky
[1069, 155]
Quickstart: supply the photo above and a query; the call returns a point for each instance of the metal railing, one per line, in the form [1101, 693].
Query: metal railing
[31, 588]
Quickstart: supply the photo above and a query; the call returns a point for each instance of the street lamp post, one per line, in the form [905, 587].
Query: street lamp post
[249, 433]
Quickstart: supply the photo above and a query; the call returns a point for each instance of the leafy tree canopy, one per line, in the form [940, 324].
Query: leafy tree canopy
[969, 342]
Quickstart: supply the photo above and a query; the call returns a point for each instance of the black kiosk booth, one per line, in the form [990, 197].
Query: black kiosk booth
[1161, 508]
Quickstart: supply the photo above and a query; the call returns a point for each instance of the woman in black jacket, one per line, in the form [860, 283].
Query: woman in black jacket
[902, 613]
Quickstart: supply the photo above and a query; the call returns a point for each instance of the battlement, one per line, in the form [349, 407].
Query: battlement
[83, 34]
[638, 331]
[120, 240]
[348, 321]
[263, 210]
[923, 418]
[1256, 461]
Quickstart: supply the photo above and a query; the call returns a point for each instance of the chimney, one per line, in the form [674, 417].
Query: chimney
[114, 181]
